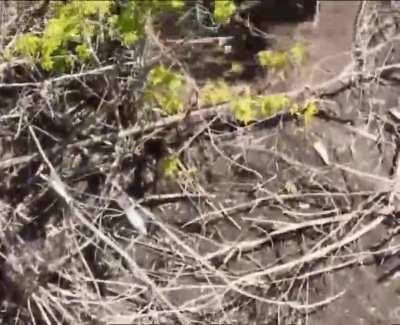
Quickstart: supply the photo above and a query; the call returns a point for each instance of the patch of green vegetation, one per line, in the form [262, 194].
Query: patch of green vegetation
[307, 111]
[244, 108]
[214, 93]
[83, 51]
[164, 88]
[28, 44]
[223, 11]
[271, 104]
[74, 23]
[67, 35]
[278, 60]
[310, 111]
[236, 68]
[170, 166]
[250, 108]
[272, 60]
[297, 53]
[130, 23]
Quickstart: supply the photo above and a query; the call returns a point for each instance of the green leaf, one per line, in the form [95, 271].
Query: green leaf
[243, 108]
[171, 166]
[129, 39]
[307, 111]
[28, 44]
[175, 83]
[272, 60]
[214, 93]
[223, 11]
[83, 51]
[172, 105]
[86, 8]
[298, 53]
[158, 75]
[236, 68]
[272, 104]
[164, 88]
[295, 109]
[176, 4]
[311, 109]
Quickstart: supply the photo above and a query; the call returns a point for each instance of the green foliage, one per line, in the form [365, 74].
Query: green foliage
[28, 44]
[249, 108]
[236, 68]
[308, 111]
[272, 60]
[72, 23]
[272, 104]
[295, 109]
[86, 8]
[278, 60]
[223, 11]
[83, 51]
[297, 53]
[77, 22]
[165, 88]
[214, 93]
[244, 107]
[130, 23]
[170, 166]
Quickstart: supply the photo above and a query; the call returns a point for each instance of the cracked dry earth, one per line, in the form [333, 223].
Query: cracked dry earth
[293, 224]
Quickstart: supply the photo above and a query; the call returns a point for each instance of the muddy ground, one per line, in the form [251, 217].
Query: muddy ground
[276, 222]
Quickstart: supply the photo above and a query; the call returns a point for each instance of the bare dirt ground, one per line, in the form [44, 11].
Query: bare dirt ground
[272, 223]
[329, 43]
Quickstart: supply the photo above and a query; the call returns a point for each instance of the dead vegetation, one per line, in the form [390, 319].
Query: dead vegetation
[250, 229]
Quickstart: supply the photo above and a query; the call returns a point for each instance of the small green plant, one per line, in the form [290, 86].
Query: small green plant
[244, 107]
[272, 60]
[236, 68]
[223, 11]
[129, 24]
[272, 104]
[297, 53]
[28, 44]
[74, 23]
[308, 111]
[249, 108]
[278, 60]
[67, 36]
[170, 166]
[214, 93]
[165, 88]
[83, 51]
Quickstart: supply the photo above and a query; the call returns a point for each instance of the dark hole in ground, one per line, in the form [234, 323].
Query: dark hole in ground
[281, 11]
